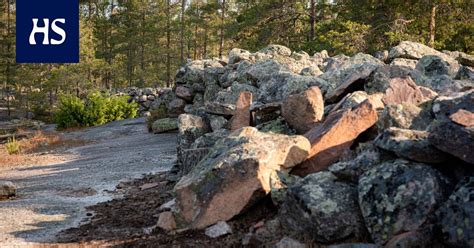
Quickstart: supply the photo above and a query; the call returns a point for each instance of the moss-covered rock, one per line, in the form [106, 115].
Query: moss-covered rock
[324, 208]
[165, 125]
[399, 196]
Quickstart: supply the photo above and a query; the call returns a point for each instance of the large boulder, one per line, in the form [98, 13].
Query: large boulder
[190, 128]
[239, 170]
[456, 215]
[413, 50]
[165, 125]
[349, 76]
[453, 138]
[324, 208]
[432, 65]
[399, 196]
[404, 90]
[410, 144]
[280, 86]
[352, 169]
[452, 131]
[302, 111]
[335, 135]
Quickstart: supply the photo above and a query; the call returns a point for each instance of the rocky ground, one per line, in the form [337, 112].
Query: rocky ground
[54, 197]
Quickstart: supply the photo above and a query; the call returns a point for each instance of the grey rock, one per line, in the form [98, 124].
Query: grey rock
[190, 128]
[236, 55]
[352, 169]
[217, 122]
[465, 73]
[287, 242]
[189, 158]
[432, 65]
[399, 196]
[323, 207]
[7, 189]
[453, 138]
[354, 245]
[456, 215]
[346, 77]
[221, 228]
[210, 139]
[263, 113]
[276, 50]
[444, 106]
[410, 63]
[231, 94]
[185, 93]
[176, 107]
[165, 125]
[219, 108]
[279, 125]
[406, 116]
[410, 144]
[413, 50]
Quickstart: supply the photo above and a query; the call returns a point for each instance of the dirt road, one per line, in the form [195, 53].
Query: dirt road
[53, 197]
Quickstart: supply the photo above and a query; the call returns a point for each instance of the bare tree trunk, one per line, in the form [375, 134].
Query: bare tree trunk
[204, 52]
[195, 41]
[432, 26]
[7, 82]
[183, 7]
[168, 43]
[312, 18]
[221, 43]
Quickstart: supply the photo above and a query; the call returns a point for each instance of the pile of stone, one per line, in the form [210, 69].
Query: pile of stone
[351, 149]
[144, 97]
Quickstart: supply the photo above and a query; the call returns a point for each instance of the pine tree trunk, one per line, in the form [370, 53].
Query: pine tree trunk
[312, 19]
[432, 26]
[7, 82]
[183, 6]
[221, 43]
[168, 43]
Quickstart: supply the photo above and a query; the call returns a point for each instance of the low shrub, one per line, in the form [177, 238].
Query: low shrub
[96, 109]
[12, 146]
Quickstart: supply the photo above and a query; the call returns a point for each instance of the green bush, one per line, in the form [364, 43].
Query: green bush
[96, 109]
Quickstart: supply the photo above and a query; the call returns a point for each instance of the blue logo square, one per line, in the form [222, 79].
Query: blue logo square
[47, 31]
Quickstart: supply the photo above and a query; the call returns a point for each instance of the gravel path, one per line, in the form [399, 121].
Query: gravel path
[53, 197]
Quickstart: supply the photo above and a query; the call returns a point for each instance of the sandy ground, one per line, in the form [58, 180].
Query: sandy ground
[54, 197]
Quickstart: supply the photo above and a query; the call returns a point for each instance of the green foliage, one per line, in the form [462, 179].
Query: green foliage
[13, 147]
[96, 109]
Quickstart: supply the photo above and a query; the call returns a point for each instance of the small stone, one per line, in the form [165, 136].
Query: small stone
[169, 205]
[166, 221]
[7, 189]
[221, 228]
[148, 186]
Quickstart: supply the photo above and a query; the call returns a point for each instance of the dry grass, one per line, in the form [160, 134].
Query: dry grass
[41, 149]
